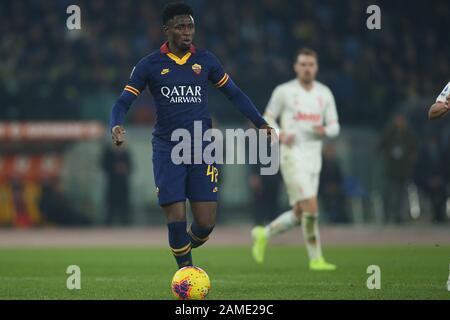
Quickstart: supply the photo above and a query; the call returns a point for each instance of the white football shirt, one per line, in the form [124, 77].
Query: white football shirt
[442, 97]
[299, 111]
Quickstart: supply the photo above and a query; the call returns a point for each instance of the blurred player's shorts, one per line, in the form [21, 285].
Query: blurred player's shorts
[300, 184]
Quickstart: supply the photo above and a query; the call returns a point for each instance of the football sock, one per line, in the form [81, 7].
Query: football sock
[199, 235]
[179, 243]
[285, 221]
[311, 235]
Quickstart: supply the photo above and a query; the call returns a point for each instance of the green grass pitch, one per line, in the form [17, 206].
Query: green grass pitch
[407, 272]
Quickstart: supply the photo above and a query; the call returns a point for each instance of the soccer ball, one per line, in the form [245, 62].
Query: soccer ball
[190, 283]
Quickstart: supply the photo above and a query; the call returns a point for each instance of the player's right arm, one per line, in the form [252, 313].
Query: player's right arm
[442, 105]
[132, 90]
[332, 127]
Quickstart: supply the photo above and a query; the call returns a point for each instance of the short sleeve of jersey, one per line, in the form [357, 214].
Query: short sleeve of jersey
[217, 76]
[137, 81]
[443, 95]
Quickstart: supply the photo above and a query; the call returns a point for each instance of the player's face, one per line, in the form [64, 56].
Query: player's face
[180, 31]
[306, 68]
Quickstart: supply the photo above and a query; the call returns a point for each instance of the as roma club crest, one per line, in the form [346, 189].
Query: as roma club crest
[197, 68]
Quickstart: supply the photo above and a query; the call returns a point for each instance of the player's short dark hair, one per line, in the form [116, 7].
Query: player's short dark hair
[307, 52]
[175, 9]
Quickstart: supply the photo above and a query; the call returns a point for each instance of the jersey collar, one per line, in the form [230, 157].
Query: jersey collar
[165, 50]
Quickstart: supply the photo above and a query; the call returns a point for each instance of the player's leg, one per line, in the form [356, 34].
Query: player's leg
[202, 190]
[204, 214]
[309, 209]
[294, 181]
[309, 217]
[170, 180]
[179, 240]
[284, 222]
[261, 235]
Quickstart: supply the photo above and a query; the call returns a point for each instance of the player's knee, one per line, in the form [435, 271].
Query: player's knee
[175, 216]
[310, 206]
[206, 224]
[206, 221]
[298, 211]
[313, 209]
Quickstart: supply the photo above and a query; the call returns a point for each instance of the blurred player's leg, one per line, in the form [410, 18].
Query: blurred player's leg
[284, 222]
[296, 182]
[260, 239]
[204, 221]
[311, 235]
[302, 188]
[179, 240]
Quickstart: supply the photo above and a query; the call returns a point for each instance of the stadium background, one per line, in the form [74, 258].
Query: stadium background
[384, 185]
[54, 75]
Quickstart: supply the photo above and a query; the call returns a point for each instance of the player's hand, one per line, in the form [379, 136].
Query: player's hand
[445, 106]
[270, 132]
[118, 135]
[287, 139]
[319, 130]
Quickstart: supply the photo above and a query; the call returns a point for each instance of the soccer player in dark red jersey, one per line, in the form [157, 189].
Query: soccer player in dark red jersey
[177, 75]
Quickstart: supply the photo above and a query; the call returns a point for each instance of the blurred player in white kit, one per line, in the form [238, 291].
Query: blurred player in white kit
[307, 113]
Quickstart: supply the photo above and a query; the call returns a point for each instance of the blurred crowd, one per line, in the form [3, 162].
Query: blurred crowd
[49, 72]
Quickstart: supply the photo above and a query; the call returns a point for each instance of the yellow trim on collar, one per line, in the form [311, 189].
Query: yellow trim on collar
[177, 60]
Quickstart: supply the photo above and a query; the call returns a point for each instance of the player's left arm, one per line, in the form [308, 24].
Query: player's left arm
[331, 127]
[223, 82]
[242, 102]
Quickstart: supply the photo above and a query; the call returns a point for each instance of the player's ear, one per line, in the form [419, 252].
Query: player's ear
[165, 28]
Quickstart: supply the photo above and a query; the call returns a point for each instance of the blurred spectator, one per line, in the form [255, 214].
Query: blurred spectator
[57, 209]
[23, 215]
[265, 192]
[265, 195]
[117, 166]
[430, 177]
[19, 202]
[331, 190]
[398, 147]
